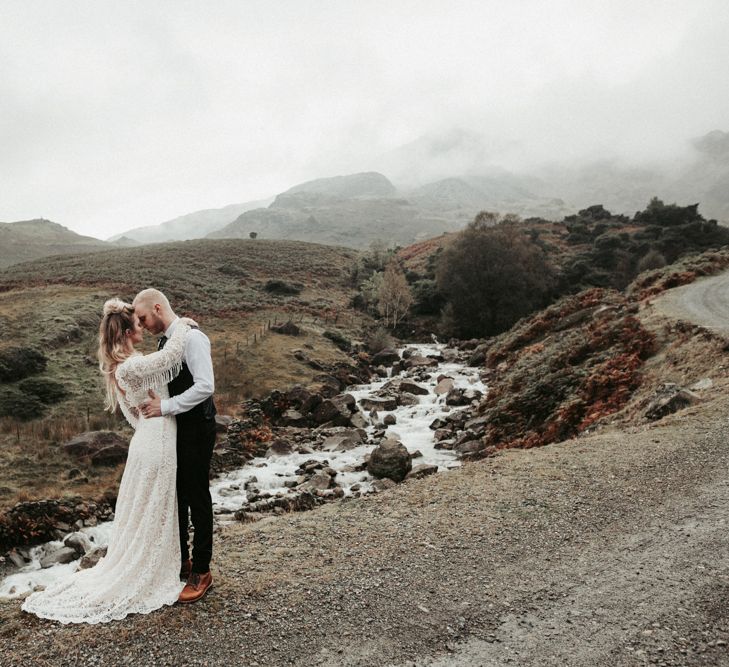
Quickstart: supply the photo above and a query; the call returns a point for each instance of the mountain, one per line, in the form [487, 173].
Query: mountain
[357, 209]
[31, 239]
[191, 225]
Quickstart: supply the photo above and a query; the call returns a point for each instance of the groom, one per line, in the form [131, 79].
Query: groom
[191, 401]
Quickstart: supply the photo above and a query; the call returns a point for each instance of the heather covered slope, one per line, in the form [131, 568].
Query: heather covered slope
[32, 239]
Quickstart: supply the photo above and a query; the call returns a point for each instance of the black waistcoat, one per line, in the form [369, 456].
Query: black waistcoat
[204, 411]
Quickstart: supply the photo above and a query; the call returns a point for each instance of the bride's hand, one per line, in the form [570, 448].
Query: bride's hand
[189, 321]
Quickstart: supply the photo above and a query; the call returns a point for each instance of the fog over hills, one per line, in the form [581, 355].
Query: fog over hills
[190, 226]
[355, 209]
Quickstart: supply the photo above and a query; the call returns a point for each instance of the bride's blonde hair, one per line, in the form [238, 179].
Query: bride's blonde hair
[117, 319]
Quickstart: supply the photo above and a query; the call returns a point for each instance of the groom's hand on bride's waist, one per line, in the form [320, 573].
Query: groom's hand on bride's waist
[152, 407]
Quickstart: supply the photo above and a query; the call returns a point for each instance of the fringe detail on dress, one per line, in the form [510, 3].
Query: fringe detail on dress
[161, 378]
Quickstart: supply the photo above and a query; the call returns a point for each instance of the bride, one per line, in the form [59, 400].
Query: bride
[140, 572]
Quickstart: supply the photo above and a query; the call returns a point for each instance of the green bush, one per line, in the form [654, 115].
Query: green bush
[14, 403]
[44, 389]
[340, 341]
[17, 363]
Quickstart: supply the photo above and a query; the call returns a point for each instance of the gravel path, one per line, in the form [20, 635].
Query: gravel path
[610, 549]
[704, 302]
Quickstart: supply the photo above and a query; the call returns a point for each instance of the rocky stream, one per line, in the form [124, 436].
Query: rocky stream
[300, 449]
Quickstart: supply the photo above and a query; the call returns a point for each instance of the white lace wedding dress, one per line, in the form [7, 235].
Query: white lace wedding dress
[140, 572]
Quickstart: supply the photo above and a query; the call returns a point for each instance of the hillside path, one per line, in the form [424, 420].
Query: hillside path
[704, 302]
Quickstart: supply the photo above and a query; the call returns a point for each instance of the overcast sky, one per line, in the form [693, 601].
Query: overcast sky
[120, 114]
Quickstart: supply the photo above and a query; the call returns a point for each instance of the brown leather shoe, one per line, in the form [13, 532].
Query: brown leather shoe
[185, 569]
[197, 585]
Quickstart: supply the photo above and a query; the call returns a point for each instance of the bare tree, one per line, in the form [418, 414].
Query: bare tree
[394, 295]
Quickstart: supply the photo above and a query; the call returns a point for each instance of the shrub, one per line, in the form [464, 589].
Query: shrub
[340, 341]
[44, 389]
[15, 403]
[282, 287]
[651, 260]
[17, 363]
[428, 300]
[378, 340]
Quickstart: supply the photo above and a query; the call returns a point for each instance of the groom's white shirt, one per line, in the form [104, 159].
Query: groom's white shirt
[198, 360]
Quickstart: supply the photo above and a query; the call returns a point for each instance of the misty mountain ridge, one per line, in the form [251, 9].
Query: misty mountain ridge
[31, 239]
[357, 209]
[189, 226]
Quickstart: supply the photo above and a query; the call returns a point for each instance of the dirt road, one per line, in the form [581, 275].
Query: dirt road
[704, 302]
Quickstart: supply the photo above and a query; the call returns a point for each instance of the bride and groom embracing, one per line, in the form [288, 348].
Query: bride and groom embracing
[166, 396]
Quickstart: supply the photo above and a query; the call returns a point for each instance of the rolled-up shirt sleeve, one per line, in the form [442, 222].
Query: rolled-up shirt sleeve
[200, 363]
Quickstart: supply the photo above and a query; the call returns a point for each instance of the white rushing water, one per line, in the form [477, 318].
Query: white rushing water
[33, 576]
[412, 428]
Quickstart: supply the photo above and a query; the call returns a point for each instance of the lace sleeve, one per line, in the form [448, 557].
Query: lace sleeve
[131, 414]
[142, 372]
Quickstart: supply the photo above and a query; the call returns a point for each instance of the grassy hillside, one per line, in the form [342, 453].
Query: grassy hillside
[233, 287]
[30, 239]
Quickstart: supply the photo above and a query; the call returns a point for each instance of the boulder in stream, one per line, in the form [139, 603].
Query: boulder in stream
[390, 459]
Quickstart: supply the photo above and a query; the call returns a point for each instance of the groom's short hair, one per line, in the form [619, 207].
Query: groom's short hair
[151, 296]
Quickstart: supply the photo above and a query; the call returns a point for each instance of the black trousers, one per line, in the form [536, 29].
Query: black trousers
[195, 442]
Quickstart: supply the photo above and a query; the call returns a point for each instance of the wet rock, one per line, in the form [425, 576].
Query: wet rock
[336, 410]
[478, 356]
[372, 403]
[407, 399]
[100, 447]
[413, 388]
[389, 420]
[344, 441]
[279, 447]
[438, 423]
[357, 420]
[390, 459]
[16, 559]
[386, 357]
[457, 397]
[441, 434]
[468, 447]
[416, 454]
[444, 386]
[92, 558]
[464, 436]
[417, 360]
[79, 542]
[444, 444]
[310, 404]
[421, 470]
[669, 398]
[317, 482]
[477, 423]
[58, 557]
